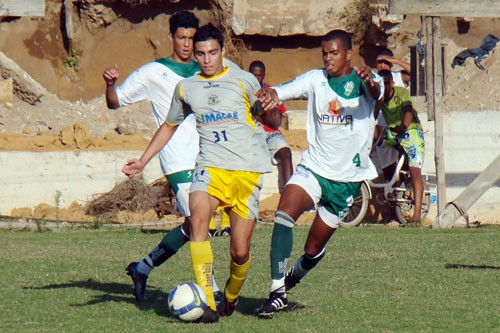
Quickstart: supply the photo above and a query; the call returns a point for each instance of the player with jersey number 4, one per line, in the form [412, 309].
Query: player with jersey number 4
[340, 125]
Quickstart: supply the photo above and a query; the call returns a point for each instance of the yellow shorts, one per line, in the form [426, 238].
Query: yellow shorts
[236, 189]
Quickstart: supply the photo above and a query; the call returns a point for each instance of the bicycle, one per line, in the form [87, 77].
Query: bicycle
[397, 192]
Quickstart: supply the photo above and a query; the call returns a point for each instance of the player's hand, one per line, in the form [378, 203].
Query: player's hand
[386, 58]
[268, 97]
[110, 75]
[365, 73]
[400, 129]
[133, 167]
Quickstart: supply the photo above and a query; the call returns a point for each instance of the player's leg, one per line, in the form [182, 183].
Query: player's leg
[300, 194]
[244, 211]
[334, 205]
[181, 183]
[171, 242]
[418, 192]
[314, 251]
[202, 208]
[281, 155]
[284, 156]
[414, 147]
[241, 235]
[206, 189]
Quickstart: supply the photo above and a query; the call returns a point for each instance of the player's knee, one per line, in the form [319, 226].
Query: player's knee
[239, 255]
[313, 250]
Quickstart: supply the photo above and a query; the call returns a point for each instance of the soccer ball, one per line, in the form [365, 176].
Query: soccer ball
[187, 301]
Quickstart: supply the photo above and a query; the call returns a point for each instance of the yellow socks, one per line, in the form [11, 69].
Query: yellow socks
[202, 258]
[238, 276]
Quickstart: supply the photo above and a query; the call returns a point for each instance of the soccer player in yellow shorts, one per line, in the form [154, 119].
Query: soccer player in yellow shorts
[230, 166]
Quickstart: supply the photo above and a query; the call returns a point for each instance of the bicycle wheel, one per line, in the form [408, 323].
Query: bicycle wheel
[358, 209]
[405, 205]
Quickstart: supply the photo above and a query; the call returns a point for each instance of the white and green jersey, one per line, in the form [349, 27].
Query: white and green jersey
[230, 136]
[339, 123]
[156, 82]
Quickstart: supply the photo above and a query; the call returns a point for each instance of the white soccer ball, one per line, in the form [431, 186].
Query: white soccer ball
[187, 301]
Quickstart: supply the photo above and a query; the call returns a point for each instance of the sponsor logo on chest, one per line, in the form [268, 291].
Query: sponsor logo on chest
[327, 119]
[212, 118]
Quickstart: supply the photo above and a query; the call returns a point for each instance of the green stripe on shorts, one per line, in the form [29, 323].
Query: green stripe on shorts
[336, 196]
[180, 177]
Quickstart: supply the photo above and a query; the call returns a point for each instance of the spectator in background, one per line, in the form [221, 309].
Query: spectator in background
[386, 157]
[278, 147]
[385, 60]
[404, 126]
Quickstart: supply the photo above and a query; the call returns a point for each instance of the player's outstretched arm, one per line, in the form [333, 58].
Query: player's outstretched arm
[160, 139]
[110, 76]
[365, 73]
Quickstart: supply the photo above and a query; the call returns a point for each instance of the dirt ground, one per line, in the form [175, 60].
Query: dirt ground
[73, 116]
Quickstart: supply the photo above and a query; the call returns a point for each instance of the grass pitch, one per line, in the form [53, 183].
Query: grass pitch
[371, 280]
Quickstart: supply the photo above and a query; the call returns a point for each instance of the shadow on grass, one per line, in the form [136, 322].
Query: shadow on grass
[156, 299]
[155, 231]
[458, 266]
[250, 306]
[115, 292]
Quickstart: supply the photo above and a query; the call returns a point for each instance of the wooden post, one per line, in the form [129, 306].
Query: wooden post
[438, 115]
[429, 82]
[470, 195]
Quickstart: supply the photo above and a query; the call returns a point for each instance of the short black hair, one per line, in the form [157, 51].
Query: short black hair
[183, 19]
[257, 64]
[344, 36]
[385, 52]
[385, 73]
[207, 32]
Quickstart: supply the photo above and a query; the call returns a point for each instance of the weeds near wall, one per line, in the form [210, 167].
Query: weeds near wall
[357, 18]
[72, 60]
[41, 225]
[234, 46]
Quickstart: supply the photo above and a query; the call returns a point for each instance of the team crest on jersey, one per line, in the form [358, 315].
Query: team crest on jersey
[213, 99]
[348, 88]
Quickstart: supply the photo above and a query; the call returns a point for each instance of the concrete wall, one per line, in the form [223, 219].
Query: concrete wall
[472, 141]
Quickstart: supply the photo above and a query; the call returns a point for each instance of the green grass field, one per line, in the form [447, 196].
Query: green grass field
[372, 279]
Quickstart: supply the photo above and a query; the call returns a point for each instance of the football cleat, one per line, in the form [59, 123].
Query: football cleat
[291, 280]
[208, 316]
[276, 301]
[227, 308]
[226, 231]
[218, 297]
[139, 280]
[213, 233]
